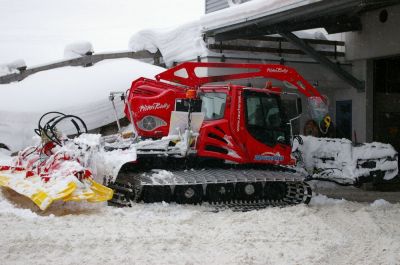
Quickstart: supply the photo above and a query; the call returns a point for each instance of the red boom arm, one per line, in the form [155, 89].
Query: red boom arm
[185, 74]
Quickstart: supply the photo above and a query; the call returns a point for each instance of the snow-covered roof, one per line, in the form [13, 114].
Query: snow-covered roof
[178, 44]
[256, 17]
[185, 43]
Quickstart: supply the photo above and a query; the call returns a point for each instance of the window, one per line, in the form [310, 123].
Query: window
[265, 121]
[263, 112]
[213, 105]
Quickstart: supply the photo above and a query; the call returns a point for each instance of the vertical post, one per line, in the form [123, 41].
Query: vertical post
[335, 50]
[112, 97]
[280, 48]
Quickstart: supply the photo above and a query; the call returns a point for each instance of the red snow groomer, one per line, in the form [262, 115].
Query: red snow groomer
[221, 143]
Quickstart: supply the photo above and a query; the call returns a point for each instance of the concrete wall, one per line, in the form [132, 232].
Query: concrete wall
[376, 39]
[359, 102]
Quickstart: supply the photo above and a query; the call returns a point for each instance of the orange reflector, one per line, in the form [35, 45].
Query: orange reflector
[268, 85]
[191, 93]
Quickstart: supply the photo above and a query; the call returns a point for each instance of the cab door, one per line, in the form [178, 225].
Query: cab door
[268, 137]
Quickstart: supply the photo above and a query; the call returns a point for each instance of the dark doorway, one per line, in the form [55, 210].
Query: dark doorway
[387, 101]
[344, 119]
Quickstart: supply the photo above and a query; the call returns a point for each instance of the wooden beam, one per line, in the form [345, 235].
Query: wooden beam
[310, 41]
[228, 47]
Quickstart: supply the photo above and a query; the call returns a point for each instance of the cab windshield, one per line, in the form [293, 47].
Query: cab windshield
[264, 118]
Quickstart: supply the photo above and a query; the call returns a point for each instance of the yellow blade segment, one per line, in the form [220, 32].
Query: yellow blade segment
[102, 193]
[4, 181]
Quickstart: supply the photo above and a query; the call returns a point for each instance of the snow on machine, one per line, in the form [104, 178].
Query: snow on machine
[56, 168]
[341, 161]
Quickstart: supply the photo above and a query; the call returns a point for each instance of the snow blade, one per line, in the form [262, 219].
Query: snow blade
[43, 193]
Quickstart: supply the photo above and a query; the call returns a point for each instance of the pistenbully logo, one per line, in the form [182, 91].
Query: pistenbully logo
[154, 106]
[277, 70]
[268, 156]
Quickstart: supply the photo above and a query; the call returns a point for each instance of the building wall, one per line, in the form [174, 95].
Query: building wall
[375, 40]
[359, 102]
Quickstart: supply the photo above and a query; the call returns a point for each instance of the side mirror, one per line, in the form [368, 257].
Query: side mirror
[299, 106]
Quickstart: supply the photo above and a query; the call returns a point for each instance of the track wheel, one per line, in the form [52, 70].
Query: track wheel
[151, 194]
[217, 193]
[250, 191]
[275, 191]
[123, 194]
[308, 193]
[188, 194]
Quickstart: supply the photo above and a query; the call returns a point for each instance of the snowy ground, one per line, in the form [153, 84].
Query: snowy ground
[326, 232]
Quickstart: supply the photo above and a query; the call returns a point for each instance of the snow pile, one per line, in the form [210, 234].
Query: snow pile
[81, 91]
[12, 67]
[383, 156]
[380, 203]
[322, 200]
[108, 163]
[159, 176]
[92, 154]
[339, 160]
[90, 151]
[331, 157]
[78, 49]
[183, 43]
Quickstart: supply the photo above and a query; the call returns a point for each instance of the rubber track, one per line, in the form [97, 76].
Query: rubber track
[297, 192]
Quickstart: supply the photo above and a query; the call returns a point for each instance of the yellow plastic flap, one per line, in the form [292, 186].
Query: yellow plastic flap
[43, 199]
[4, 181]
[102, 192]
